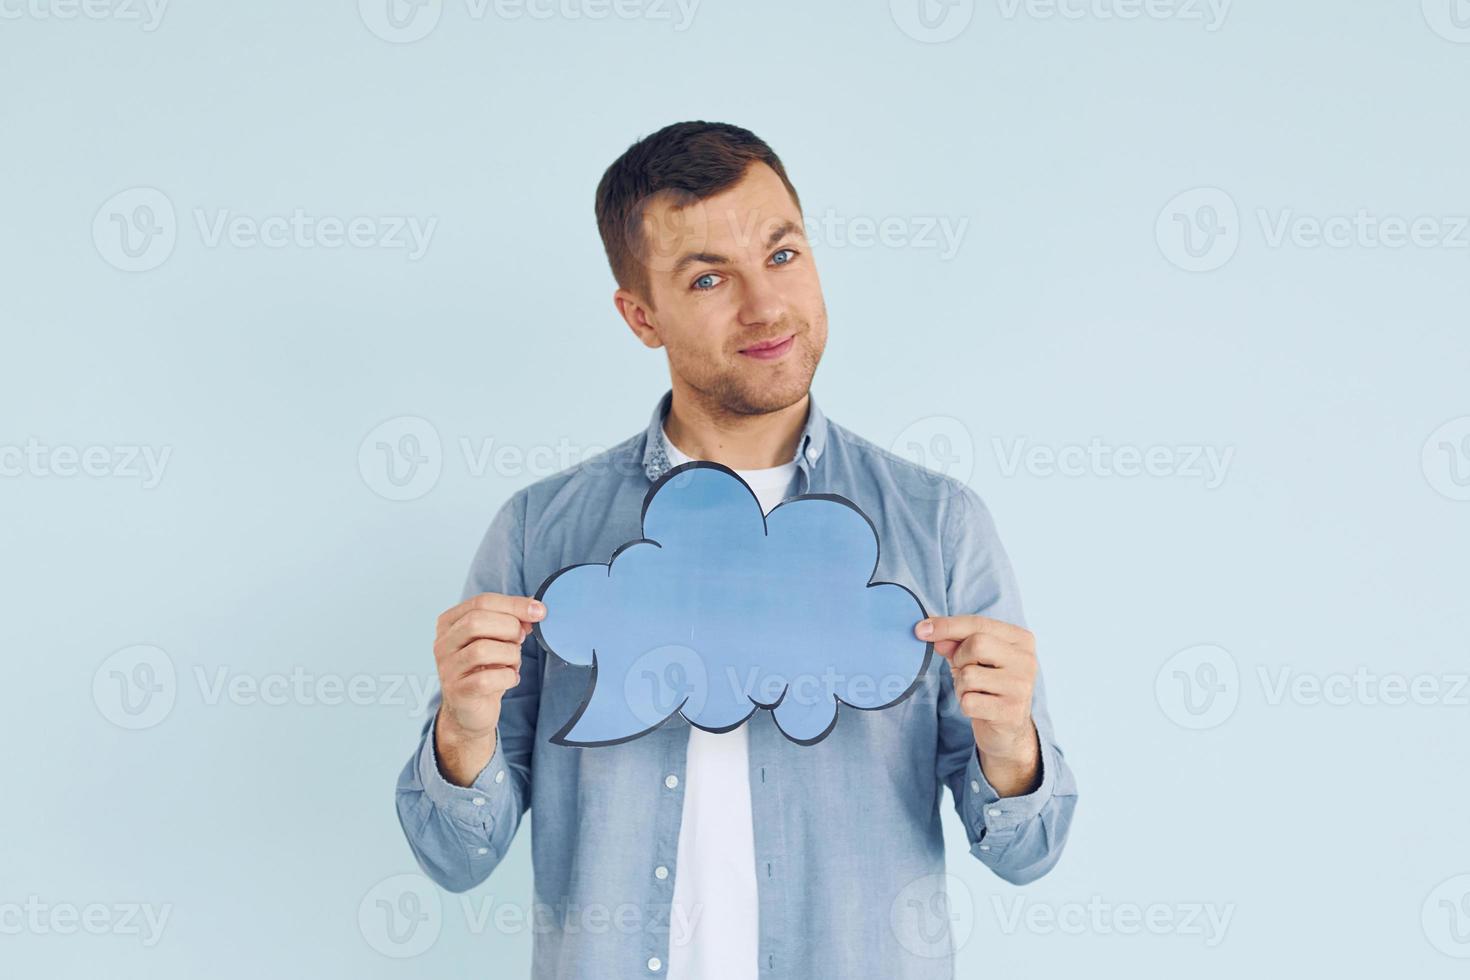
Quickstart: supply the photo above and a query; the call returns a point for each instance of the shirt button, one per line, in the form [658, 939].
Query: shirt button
[483, 850]
[654, 963]
[974, 786]
[660, 872]
[992, 812]
[500, 776]
[811, 455]
[984, 847]
[671, 781]
[478, 801]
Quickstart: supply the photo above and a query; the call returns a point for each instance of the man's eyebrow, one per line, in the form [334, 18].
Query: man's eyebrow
[710, 258]
[690, 258]
[781, 231]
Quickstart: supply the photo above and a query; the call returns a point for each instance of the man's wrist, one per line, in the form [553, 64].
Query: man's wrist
[1013, 769]
[462, 755]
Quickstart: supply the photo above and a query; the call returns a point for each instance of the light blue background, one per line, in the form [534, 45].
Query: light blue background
[1332, 543]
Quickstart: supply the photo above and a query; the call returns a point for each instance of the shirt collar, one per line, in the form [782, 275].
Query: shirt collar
[809, 447]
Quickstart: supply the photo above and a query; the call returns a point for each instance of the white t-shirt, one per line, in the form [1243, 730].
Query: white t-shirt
[714, 873]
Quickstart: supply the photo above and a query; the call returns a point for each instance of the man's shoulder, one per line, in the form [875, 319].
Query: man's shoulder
[888, 469]
[602, 471]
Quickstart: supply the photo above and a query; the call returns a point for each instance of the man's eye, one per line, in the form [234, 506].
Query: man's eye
[785, 251]
[707, 281]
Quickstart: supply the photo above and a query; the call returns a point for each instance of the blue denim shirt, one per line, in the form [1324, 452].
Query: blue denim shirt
[848, 847]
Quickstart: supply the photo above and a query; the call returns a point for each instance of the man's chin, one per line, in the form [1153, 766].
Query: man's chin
[765, 398]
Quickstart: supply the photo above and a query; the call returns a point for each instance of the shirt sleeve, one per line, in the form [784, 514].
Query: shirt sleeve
[460, 833]
[1020, 838]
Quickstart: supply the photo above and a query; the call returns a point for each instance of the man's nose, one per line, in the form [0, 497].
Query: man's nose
[761, 304]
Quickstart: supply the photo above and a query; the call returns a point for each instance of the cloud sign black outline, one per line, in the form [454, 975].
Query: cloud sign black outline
[560, 737]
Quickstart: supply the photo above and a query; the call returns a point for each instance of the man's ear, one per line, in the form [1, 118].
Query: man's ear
[636, 315]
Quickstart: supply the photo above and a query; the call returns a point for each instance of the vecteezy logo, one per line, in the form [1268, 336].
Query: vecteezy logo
[400, 21]
[666, 679]
[1199, 230]
[932, 21]
[1198, 687]
[933, 916]
[401, 459]
[945, 450]
[1446, 917]
[135, 687]
[135, 230]
[1446, 459]
[1450, 19]
[777, 611]
[665, 226]
[401, 916]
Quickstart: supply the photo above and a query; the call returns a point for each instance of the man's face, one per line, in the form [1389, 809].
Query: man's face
[733, 295]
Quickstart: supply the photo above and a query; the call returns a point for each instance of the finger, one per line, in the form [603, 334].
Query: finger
[491, 680]
[988, 680]
[450, 647]
[522, 607]
[937, 628]
[988, 651]
[946, 648]
[984, 707]
[479, 624]
[482, 654]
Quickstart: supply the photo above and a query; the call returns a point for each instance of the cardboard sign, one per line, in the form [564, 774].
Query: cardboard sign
[719, 611]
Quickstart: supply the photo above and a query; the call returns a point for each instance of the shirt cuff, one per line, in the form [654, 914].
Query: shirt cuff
[476, 806]
[998, 818]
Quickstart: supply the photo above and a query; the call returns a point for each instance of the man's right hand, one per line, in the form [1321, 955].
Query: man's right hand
[477, 648]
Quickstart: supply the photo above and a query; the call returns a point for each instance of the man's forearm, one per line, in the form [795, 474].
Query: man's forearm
[1015, 772]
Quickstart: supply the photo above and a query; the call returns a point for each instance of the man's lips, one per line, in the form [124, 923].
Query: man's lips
[770, 349]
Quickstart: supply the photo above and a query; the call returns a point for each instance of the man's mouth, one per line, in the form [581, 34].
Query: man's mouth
[769, 350]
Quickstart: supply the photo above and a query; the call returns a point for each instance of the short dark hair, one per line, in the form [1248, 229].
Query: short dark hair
[690, 160]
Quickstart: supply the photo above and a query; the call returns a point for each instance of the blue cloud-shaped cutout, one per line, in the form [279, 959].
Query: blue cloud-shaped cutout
[719, 611]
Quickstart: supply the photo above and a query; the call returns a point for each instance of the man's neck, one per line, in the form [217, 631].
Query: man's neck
[741, 442]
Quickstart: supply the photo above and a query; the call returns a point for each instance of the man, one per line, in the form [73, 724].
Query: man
[702, 856]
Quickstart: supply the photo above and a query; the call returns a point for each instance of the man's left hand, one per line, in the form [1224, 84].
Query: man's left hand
[994, 669]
